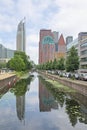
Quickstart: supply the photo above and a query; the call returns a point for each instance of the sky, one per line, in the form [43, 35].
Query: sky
[68, 17]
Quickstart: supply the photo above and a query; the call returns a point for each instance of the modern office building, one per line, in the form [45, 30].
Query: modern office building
[69, 39]
[82, 39]
[5, 54]
[80, 43]
[73, 43]
[21, 37]
[46, 46]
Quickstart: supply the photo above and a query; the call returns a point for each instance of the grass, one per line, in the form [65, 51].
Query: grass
[22, 74]
[60, 86]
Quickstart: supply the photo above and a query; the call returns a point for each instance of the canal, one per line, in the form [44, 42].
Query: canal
[33, 104]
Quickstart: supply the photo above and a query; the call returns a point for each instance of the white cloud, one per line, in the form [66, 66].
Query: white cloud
[33, 53]
[1, 41]
[71, 18]
[32, 39]
[65, 16]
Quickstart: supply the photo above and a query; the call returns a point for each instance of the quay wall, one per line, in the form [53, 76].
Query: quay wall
[78, 85]
[7, 80]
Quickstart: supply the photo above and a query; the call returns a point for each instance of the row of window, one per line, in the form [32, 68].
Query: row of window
[83, 45]
[84, 59]
[84, 52]
[83, 66]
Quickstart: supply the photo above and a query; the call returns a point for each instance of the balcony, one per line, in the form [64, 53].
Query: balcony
[83, 63]
[83, 48]
[83, 56]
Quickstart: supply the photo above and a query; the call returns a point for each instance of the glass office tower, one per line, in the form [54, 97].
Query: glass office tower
[20, 40]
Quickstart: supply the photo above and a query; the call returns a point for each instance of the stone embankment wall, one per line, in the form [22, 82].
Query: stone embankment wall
[81, 86]
[7, 80]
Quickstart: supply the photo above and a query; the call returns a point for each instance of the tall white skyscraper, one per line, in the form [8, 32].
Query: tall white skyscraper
[21, 37]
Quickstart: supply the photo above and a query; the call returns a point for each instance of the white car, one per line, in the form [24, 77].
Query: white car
[83, 76]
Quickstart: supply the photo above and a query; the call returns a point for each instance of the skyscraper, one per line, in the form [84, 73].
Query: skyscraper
[69, 39]
[46, 46]
[21, 40]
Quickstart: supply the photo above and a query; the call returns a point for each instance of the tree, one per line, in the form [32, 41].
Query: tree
[20, 62]
[55, 64]
[72, 61]
[17, 63]
[60, 64]
[2, 65]
[26, 59]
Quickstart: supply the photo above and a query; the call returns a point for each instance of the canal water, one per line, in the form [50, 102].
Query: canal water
[33, 104]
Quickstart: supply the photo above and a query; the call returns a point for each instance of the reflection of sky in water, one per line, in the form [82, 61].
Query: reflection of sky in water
[56, 119]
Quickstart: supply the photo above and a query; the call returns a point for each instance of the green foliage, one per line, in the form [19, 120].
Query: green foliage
[64, 97]
[20, 87]
[17, 63]
[53, 65]
[20, 62]
[60, 64]
[72, 62]
[2, 65]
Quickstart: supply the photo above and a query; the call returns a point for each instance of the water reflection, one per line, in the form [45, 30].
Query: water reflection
[38, 106]
[46, 99]
[19, 91]
[76, 109]
[21, 86]
[20, 107]
[75, 112]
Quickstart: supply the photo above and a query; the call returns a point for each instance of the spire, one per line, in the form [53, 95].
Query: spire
[61, 40]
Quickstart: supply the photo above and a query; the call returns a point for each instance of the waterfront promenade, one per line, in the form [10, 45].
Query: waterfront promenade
[6, 75]
[79, 85]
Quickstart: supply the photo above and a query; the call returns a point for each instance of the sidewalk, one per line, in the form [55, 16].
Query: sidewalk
[80, 86]
[6, 75]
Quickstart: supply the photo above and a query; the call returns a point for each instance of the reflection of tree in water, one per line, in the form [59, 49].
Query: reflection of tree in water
[20, 87]
[19, 90]
[75, 112]
[58, 95]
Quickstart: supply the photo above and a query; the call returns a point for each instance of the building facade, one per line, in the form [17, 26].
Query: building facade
[5, 54]
[61, 51]
[46, 46]
[75, 44]
[82, 40]
[80, 43]
[51, 46]
[69, 39]
[21, 38]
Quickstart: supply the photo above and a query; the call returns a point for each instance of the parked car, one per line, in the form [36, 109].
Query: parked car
[83, 76]
[76, 75]
[68, 74]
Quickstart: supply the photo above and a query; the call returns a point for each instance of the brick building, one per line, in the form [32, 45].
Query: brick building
[46, 46]
[50, 47]
[61, 51]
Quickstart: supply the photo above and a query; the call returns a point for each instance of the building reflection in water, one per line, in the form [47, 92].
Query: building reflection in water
[20, 91]
[46, 100]
[20, 107]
